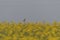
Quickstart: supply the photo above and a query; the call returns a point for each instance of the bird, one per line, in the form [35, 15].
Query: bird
[24, 20]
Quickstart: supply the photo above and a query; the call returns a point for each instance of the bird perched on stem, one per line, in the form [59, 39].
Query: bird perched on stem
[24, 20]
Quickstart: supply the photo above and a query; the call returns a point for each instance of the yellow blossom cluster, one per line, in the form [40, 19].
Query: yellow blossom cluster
[29, 31]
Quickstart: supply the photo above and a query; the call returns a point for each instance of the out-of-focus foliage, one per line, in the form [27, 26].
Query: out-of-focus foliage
[29, 31]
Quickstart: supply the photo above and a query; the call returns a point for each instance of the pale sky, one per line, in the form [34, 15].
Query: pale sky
[32, 10]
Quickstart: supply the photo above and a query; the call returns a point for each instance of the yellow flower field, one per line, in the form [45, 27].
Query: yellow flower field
[29, 31]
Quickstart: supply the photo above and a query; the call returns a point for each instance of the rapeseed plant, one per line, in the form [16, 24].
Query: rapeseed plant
[29, 31]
